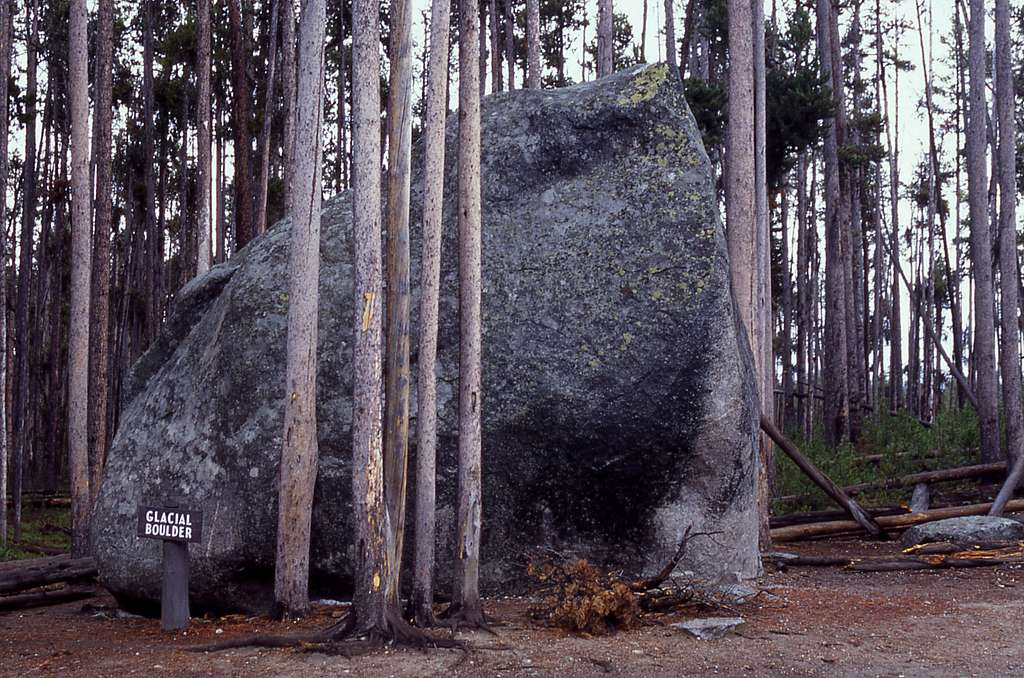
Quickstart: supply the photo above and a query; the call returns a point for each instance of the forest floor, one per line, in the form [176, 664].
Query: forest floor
[804, 622]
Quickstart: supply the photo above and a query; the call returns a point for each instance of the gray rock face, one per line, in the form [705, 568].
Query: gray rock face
[965, 531]
[618, 401]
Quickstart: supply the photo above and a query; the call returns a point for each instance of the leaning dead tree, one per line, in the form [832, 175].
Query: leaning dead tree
[859, 515]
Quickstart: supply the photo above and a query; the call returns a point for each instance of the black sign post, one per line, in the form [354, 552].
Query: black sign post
[176, 526]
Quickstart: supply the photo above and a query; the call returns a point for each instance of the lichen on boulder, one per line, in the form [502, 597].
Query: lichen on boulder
[618, 404]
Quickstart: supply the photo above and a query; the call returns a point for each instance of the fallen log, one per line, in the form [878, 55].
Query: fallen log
[798, 532]
[24, 601]
[939, 476]
[821, 480]
[30, 574]
[805, 517]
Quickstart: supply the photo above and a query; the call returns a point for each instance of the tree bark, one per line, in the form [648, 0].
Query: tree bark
[268, 116]
[397, 375]
[670, 36]
[533, 44]
[81, 269]
[370, 511]
[605, 35]
[466, 585]
[1009, 270]
[288, 76]
[203, 137]
[99, 332]
[240, 53]
[299, 452]
[983, 354]
[6, 12]
[426, 428]
[510, 44]
[21, 413]
[836, 405]
[497, 74]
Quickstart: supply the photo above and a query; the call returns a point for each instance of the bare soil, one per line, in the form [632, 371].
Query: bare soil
[805, 622]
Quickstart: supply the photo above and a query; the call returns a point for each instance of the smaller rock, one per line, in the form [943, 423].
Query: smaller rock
[710, 628]
[736, 594]
[965, 531]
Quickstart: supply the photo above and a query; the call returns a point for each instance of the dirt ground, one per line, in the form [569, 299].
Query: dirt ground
[804, 622]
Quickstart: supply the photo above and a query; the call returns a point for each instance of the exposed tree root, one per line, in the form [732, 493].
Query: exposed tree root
[347, 638]
[459, 617]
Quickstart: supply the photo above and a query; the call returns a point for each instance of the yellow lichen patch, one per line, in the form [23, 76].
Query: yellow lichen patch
[376, 581]
[645, 85]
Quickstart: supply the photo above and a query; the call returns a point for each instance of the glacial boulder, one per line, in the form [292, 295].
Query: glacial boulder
[618, 404]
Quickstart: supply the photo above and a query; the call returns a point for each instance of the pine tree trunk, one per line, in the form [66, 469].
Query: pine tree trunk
[81, 268]
[426, 427]
[466, 581]
[532, 44]
[204, 137]
[1009, 270]
[99, 332]
[370, 511]
[983, 354]
[497, 75]
[670, 36]
[242, 107]
[605, 33]
[836, 403]
[299, 452]
[397, 375]
[268, 116]
[6, 12]
[510, 44]
[288, 93]
[21, 416]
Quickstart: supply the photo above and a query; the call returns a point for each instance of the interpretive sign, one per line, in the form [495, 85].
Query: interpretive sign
[176, 526]
[170, 523]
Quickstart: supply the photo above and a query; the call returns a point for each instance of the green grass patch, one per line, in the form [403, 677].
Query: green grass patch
[48, 527]
[905, 445]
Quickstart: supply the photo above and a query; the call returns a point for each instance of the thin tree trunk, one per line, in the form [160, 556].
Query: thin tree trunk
[81, 268]
[510, 44]
[1009, 271]
[836, 404]
[605, 36]
[99, 339]
[6, 12]
[670, 36]
[466, 602]
[268, 116]
[341, 167]
[426, 428]
[397, 375]
[370, 511]
[497, 74]
[983, 354]
[299, 453]
[21, 417]
[204, 137]
[288, 92]
[533, 44]
[242, 107]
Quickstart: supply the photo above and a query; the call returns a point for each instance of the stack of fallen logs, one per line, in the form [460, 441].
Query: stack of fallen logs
[34, 583]
[932, 556]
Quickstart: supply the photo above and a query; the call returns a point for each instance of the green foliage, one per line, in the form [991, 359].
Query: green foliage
[48, 527]
[624, 53]
[707, 102]
[905, 446]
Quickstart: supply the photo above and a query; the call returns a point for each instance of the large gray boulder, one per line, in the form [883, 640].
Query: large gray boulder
[965, 531]
[618, 402]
